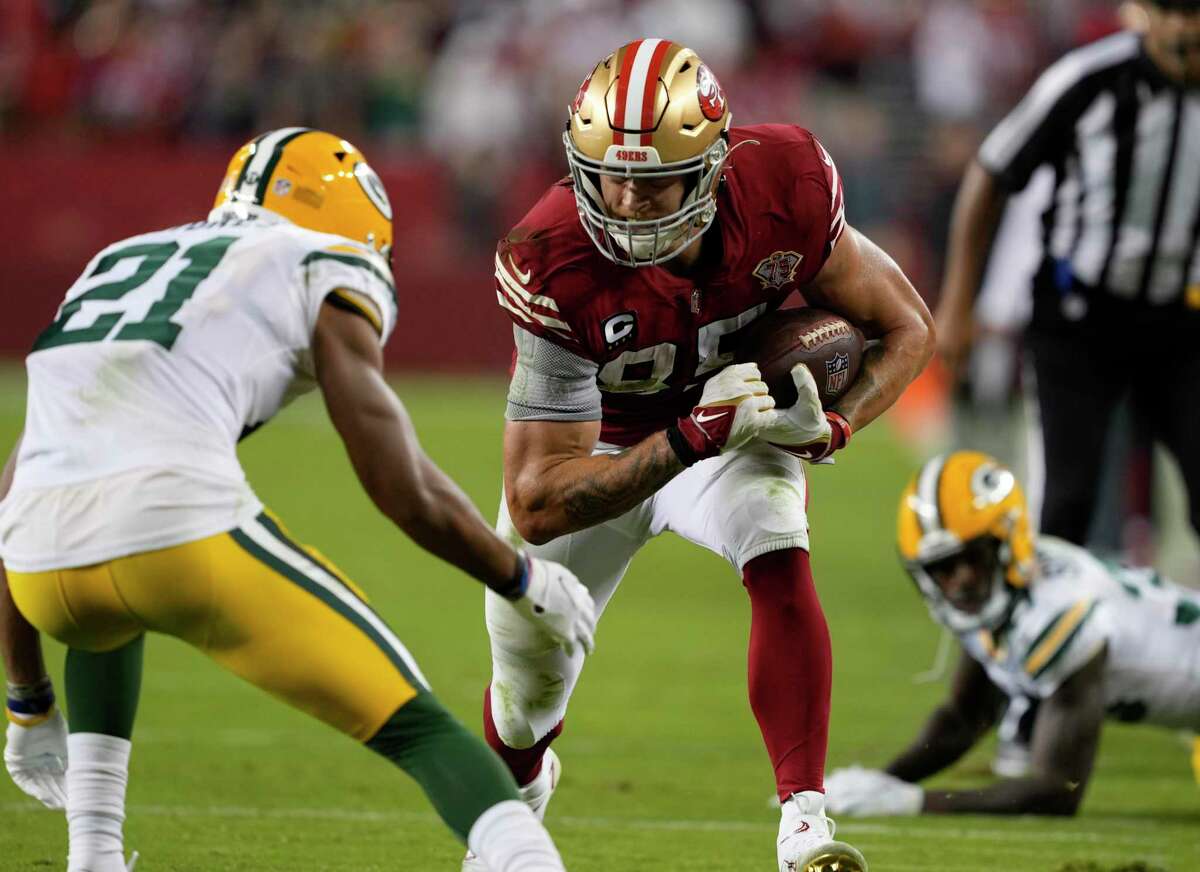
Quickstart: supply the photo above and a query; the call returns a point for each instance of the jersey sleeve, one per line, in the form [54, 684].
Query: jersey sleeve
[549, 383]
[1041, 128]
[532, 303]
[837, 201]
[1060, 644]
[353, 277]
[817, 204]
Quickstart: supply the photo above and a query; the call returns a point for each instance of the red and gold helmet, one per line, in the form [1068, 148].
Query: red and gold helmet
[952, 502]
[650, 109]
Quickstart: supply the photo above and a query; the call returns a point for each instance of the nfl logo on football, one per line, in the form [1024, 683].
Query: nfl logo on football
[836, 370]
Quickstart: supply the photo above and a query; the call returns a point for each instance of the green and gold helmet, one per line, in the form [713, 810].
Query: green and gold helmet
[953, 502]
[315, 180]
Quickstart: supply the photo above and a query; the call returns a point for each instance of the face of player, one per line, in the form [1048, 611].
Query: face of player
[966, 578]
[634, 199]
[1173, 38]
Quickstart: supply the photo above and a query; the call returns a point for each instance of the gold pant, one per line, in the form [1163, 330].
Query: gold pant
[273, 612]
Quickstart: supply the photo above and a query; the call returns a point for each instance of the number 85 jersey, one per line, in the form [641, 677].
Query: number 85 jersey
[170, 347]
[632, 346]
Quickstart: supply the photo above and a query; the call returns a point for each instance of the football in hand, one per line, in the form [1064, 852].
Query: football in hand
[829, 345]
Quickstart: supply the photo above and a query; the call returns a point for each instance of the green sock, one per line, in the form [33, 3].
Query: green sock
[103, 689]
[460, 774]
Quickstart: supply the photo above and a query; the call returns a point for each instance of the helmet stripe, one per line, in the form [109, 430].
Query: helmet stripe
[639, 83]
[928, 486]
[276, 154]
[250, 159]
[631, 51]
[651, 87]
[252, 184]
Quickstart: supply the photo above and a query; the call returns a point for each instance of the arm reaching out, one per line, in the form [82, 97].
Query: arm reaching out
[35, 749]
[1065, 740]
[421, 499]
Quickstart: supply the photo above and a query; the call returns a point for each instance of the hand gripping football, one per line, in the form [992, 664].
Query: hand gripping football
[829, 345]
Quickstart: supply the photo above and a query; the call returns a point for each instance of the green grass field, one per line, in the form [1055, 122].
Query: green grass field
[664, 767]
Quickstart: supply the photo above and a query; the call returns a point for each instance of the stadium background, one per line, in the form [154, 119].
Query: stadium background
[119, 115]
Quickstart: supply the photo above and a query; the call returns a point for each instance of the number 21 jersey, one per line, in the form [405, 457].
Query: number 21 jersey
[170, 347]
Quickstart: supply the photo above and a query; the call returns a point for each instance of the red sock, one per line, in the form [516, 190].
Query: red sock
[791, 668]
[524, 763]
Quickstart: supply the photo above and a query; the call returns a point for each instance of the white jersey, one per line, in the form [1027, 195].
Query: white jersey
[1076, 606]
[168, 348]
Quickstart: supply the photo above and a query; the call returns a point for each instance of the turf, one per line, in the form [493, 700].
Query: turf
[664, 766]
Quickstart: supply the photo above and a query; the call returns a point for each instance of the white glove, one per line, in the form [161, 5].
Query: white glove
[803, 428]
[860, 792]
[734, 407]
[36, 758]
[559, 605]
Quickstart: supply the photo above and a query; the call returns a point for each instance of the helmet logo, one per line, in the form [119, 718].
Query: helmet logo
[708, 90]
[990, 484]
[372, 186]
[580, 94]
[281, 187]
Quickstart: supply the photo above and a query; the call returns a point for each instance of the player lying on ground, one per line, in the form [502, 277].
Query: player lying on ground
[128, 512]
[627, 284]
[1040, 617]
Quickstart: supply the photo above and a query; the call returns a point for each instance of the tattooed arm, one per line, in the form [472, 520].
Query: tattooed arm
[863, 284]
[555, 486]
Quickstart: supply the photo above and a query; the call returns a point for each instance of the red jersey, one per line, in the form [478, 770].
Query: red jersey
[656, 336]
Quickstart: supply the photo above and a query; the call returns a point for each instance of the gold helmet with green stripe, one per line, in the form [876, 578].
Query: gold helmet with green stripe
[315, 180]
[966, 508]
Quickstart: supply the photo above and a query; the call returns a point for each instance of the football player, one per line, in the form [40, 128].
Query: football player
[126, 510]
[1037, 617]
[627, 284]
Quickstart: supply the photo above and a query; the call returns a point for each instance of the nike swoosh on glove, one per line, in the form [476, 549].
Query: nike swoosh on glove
[734, 408]
[860, 792]
[805, 429]
[36, 758]
[558, 603]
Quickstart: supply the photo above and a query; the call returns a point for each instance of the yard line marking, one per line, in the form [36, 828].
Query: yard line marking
[606, 823]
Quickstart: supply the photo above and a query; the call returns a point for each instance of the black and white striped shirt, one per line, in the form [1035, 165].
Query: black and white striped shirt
[1124, 143]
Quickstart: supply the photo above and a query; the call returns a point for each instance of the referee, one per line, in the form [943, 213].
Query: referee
[1116, 300]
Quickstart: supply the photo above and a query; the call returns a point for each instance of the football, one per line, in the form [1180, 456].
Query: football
[829, 345]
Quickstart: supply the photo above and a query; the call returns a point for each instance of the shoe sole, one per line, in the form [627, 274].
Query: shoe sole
[834, 857]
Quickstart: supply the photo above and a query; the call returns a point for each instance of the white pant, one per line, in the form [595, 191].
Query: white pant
[744, 504]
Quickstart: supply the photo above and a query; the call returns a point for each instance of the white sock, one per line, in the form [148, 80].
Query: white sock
[97, 772]
[509, 838]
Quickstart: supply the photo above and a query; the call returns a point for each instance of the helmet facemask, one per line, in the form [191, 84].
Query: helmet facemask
[988, 556]
[633, 242]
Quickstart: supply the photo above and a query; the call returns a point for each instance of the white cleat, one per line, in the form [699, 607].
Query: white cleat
[806, 842]
[536, 794]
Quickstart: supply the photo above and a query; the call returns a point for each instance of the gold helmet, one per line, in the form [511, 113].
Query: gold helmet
[956, 502]
[650, 109]
[315, 180]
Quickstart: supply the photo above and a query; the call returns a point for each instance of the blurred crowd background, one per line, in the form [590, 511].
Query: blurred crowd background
[118, 115]
[900, 92]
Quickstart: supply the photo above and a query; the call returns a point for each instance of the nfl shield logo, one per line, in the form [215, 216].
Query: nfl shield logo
[836, 370]
[778, 268]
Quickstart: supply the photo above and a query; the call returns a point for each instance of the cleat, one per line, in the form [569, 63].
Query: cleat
[536, 794]
[806, 842]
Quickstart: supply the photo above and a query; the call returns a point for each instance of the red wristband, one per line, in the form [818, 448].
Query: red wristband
[839, 432]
